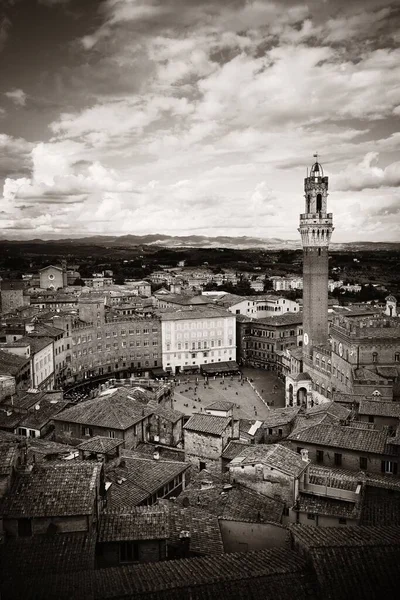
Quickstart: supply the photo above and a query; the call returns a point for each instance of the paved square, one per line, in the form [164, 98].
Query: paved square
[190, 397]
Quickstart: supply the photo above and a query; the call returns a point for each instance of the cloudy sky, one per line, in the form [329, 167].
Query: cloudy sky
[197, 116]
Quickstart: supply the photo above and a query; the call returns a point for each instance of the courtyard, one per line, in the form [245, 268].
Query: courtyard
[190, 397]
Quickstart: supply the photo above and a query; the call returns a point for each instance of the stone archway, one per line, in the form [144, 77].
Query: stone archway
[301, 396]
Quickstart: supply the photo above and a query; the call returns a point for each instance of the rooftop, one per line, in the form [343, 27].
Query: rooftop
[263, 575]
[222, 405]
[288, 318]
[272, 455]
[141, 523]
[8, 451]
[53, 490]
[317, 537]
[47, 554]
[11, 363]
[379, 408]
[100, 444]
[114, 412]
[339, 436]
[209, 424]
[36, 343]
[208, 312]
[332, 507]
[233, 448]
[42, 412]
[236, 503]
[140, 478]
[280, 416]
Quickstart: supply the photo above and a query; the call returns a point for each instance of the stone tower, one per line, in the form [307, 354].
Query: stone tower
[316, 230]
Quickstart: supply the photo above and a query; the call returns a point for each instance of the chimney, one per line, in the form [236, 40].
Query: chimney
[156, 455]
[304, 455]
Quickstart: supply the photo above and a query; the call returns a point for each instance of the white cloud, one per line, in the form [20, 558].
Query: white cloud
[18, 96]
[367, 174]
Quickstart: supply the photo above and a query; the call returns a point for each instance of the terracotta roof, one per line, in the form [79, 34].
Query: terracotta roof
[339, 436]
[145, 450]
[114, 412]
[36, 343]
[209, 424]
[335, 478]
[100, 444]
[233, 448]
[47, 554]
[53, 490]
[8, 451]
[380, 508]
[335, 410]
[10, 419]
[280, 416]
[11, 363]
[37, 418]
[379, 408]
[263, 575]
[140, 478]
[332, 507]
[141, 523]
[220, 405]
[24, 400]
[205, 534]
[316, 537]
[357, 573]
[272, 455]
[168, 414]
[287, 318]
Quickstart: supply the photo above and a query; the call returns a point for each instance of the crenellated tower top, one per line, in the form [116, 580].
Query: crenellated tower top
[316, 223]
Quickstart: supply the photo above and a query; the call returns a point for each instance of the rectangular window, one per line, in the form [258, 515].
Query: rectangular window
[111, 434]
[342, 521]
[389, 467]
[129, 552]
[363, 463]
[320, 456]
[311, 516]
[338, 460]
[24, 527]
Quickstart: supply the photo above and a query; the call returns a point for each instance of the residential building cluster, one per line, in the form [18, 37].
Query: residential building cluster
[303, 502]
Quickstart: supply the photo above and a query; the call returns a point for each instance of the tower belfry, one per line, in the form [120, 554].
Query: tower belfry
[316, 231]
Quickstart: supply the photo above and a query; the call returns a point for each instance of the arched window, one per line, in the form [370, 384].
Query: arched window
[319, 202]
[308, 203]
[374, 357]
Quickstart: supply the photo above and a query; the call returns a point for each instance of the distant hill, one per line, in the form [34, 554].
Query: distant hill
[200, 241]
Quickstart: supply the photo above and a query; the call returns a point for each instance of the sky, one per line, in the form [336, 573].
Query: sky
[197, 117]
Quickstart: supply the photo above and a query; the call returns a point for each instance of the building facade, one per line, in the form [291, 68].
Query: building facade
[197, 336]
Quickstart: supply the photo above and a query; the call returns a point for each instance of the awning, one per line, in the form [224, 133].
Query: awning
[159, 372]
[230, 366]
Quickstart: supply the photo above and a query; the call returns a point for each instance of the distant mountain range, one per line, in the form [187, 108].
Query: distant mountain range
[202, 241]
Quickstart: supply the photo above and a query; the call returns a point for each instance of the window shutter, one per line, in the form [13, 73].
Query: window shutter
[383, 466]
